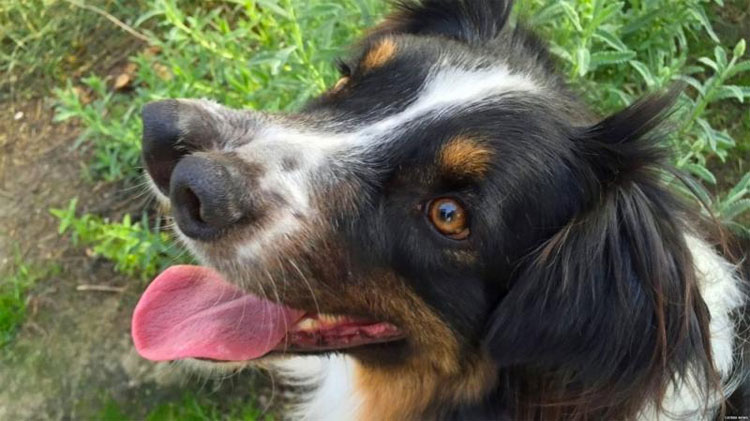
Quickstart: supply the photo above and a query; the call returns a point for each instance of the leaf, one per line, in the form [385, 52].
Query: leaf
[702, 172]
[724, 139]
[740, 189]
[583, 56]
[274, 7]
[610, 39]
[740, 230]
[699, 13]
[695, 83]
[721, 57]
[735, 209]
[739, 49]
[611, 57]
[561, 52]
[710, 63]
[605, 14]
[691, 70]
[709, 132]
[738, 68]
[624, 98]
[696, 190]
[644, 72]
[547, 14]
[572, 15]
[731, 91]
[639, 22]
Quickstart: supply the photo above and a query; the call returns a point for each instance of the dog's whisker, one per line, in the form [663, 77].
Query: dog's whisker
[307, 284]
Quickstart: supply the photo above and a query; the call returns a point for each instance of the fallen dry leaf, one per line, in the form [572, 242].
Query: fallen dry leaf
[122, 81]
[125, 78]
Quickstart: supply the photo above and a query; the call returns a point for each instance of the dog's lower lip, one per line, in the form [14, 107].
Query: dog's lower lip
[322, 332]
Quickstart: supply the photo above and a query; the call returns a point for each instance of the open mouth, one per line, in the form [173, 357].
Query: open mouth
[193, 312]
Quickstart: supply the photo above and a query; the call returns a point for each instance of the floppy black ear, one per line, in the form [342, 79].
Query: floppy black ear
[608, 310]
[465, 20]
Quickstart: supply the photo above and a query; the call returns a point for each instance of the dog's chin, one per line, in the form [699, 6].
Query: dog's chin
[215, 369]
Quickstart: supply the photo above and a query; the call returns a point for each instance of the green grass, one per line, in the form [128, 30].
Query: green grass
[17, 281]
[44, 42]
[189, 407]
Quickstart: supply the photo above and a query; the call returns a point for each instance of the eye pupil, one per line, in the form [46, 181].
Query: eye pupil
[447, 212]
[449, 217]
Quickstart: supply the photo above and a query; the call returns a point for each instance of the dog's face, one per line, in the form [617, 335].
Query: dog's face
[394, 216]
[405, 194]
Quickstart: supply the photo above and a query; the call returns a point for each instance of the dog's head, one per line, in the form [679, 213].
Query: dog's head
[445, 212]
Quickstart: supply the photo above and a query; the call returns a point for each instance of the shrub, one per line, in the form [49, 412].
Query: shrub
[136, 249]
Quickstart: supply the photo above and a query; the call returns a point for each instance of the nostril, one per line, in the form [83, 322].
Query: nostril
[204, 197]
[190, 204]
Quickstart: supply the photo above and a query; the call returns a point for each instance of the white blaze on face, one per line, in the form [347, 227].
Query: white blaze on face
[448, 90]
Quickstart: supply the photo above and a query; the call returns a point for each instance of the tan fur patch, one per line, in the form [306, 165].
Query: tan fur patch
[408, 393]
[379, 55]
[436, 370]
[464, 156]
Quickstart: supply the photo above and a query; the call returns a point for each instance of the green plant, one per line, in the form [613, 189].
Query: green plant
[43, 41]
[735, 203]
[616, 52]
[190, 407]
[107, 122]
[17, 281]
[134, 247]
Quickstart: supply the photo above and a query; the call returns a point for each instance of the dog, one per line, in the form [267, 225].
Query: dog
[446, 233]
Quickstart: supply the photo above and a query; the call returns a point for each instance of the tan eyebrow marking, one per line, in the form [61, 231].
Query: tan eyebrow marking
[464, 156]
[340, 84]
[379, 55]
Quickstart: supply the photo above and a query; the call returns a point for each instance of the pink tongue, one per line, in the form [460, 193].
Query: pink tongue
[192, 312]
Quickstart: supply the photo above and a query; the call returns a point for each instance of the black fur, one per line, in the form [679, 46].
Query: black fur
[464, 20]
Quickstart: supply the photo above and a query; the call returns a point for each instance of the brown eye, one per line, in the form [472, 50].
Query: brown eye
[340, 84]
[449, 217]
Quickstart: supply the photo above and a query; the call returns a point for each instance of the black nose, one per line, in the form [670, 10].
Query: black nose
[160, 141]
[205, 199]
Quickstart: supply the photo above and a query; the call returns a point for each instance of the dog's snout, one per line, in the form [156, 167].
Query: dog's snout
[205, 198]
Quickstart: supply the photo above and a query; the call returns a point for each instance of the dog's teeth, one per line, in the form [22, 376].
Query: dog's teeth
[329, 319]
[307, 324]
